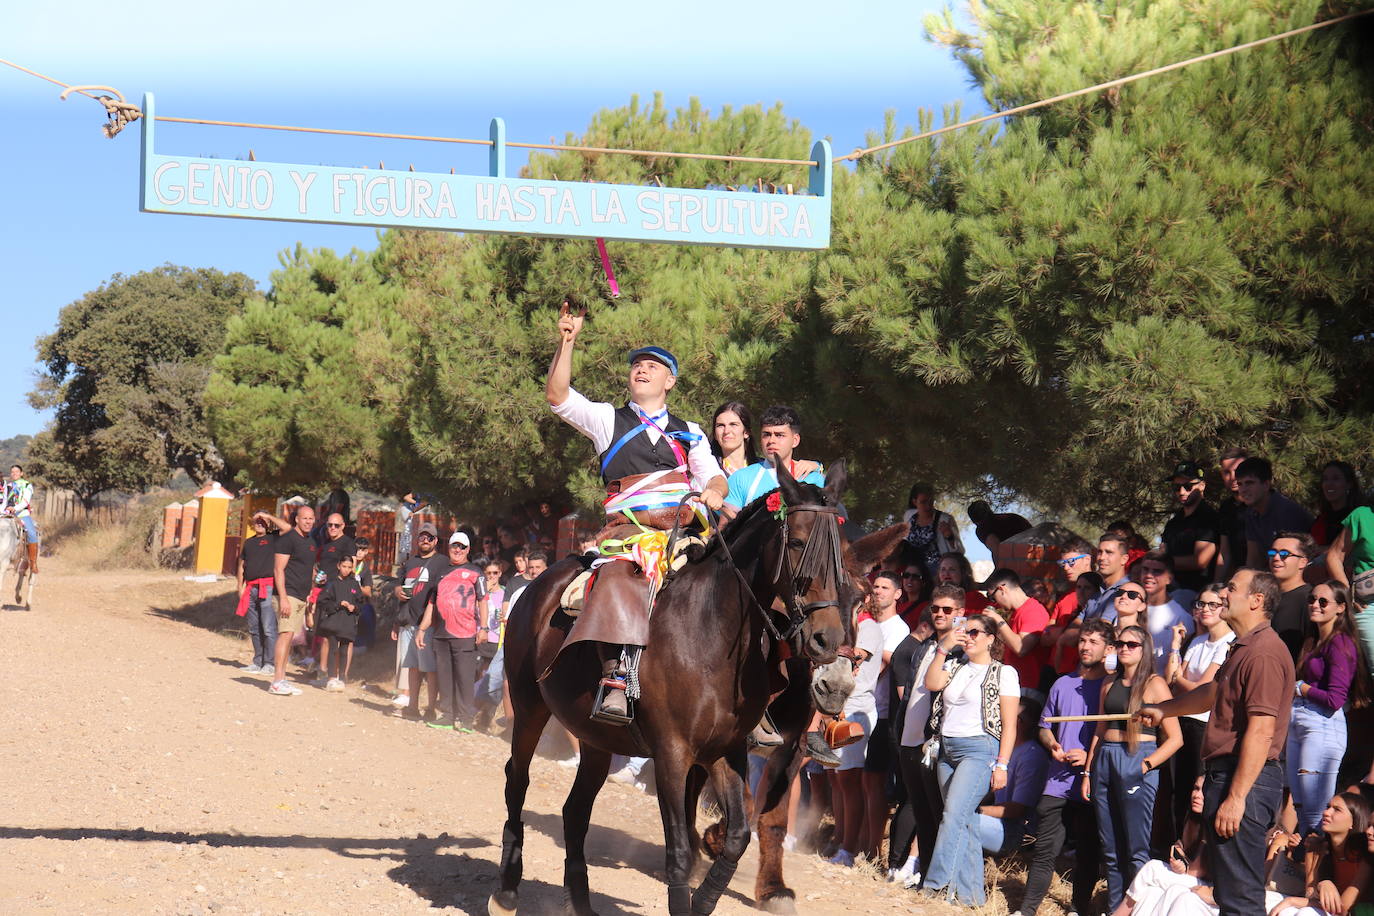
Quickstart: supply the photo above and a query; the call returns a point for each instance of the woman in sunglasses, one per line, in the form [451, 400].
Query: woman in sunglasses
[1123, 759]
[1193, 667]
[974, 720]
[1326, 676]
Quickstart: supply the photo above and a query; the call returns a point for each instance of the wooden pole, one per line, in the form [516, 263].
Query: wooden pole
[1105, 717]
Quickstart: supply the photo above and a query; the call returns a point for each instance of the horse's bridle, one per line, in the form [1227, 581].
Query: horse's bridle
[796, 616]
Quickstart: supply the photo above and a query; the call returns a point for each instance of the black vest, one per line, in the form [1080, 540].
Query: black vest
[639, 455]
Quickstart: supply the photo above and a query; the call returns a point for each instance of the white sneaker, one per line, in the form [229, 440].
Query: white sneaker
[625, 776]
[335, 685]
[914, 880]
[268, 671]
[572, 762]
[250, 669]
[283, 689]
[789, 843]
[843, 858]
[400, 700]
[896, 875]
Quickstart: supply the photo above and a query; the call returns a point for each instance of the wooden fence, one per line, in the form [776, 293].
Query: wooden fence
[53, 507]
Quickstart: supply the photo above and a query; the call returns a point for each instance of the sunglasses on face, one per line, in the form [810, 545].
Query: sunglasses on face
[333, 525]
[1322, 603]
[910, 575]
[1283, 554]
[1066, 562]
[974, 631]
[1153, 571]
[943, 609]
[1209, 605]
[1131, 593]
[1127, 644]
[428, 537]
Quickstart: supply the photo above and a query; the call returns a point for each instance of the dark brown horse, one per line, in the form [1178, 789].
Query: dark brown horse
[791, 712]
[704, 679]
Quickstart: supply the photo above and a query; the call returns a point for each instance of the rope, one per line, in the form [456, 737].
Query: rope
[122, 112]
[1110, 84]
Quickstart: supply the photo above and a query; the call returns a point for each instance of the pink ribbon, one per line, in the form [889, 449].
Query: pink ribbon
[606, 266]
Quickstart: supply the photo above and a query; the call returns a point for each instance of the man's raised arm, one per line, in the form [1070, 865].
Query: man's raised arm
[560, 370]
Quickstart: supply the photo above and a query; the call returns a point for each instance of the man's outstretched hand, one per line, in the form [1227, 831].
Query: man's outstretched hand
[570, 322]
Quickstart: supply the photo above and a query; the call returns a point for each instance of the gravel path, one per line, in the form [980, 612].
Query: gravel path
[146, 774]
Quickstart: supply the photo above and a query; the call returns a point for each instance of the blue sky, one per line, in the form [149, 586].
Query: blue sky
[72, 218]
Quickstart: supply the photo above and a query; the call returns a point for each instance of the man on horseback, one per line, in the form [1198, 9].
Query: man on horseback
[17, 503]
[649, 460]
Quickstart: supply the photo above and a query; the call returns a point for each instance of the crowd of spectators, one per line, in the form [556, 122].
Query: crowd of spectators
[1232, 656]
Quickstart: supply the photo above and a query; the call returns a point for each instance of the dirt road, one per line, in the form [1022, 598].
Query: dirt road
[145, 774]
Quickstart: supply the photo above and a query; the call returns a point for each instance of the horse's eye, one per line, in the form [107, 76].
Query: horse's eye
[796, 543]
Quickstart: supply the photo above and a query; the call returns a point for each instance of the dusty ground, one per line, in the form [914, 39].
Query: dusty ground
[146, 774]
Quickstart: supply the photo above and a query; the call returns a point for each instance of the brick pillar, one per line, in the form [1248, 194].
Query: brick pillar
[171, 525]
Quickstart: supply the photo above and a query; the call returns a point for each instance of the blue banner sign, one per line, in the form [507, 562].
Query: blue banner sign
[486, 203]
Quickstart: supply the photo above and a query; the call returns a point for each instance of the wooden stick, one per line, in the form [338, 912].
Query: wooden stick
[1106, 717]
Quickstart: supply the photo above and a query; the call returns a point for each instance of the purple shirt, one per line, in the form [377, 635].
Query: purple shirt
[1329, 673]
[1025, 779]
[1071, 695]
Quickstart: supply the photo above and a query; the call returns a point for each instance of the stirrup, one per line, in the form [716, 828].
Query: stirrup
[600, 713]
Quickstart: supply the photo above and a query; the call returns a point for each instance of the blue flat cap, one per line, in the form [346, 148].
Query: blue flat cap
[655, 353]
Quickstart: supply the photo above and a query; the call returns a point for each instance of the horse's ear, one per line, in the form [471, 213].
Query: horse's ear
[791, 493]
[835, 480]
[871, 549]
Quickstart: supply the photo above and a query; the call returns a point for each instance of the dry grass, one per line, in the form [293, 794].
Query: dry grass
[128, 544]
[1004, 878]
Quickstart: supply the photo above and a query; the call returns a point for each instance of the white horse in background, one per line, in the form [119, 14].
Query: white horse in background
[13, 553]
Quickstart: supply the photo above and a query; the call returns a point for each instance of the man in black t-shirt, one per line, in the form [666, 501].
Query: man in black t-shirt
[335, 547]
[293, 575]
[256, 569]
[1193, 534]
[419, 574]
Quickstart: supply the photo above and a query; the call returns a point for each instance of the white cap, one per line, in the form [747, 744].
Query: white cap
[458, 537]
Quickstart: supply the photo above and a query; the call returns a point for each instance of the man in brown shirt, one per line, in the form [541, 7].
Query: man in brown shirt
[1250, 701]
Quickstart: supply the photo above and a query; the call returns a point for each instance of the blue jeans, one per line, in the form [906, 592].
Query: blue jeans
[998, 836]
[1364, 628]
[489, 689]
[1236, 865]
[30, 528]
[965, 773]
[262, 626]
[1316, 744]
[1124, 799]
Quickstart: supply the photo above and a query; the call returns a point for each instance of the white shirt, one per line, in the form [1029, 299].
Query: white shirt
[1201, 655]
[596, 421]
[918, 703]
[895, 630]
[869, 638]
[963, 716]
[1160, 619]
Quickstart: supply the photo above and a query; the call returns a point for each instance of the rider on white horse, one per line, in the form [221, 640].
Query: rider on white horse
[17, 503]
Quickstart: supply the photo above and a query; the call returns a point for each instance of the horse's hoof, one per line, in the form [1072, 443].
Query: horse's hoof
[501, 903]
[782, 902]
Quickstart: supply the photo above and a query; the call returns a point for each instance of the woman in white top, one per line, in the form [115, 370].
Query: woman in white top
[974, 720]
[1193, 668]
